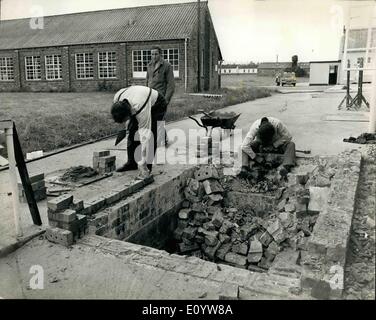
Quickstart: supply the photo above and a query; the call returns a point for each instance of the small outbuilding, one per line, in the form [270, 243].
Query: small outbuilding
[324, 72]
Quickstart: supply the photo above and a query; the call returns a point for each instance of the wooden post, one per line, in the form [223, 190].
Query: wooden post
[7, 126]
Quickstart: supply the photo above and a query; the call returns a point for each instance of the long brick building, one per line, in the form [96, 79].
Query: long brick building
[108, 49]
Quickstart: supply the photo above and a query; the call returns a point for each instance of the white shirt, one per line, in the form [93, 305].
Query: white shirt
[281, 135]
[136, 96]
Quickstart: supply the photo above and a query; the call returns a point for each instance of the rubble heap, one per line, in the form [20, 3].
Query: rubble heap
[210, 230]
[364, 138]
[77, 173]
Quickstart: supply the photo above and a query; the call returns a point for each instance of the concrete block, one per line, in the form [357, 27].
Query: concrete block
[67, 216]
[255, 251]
[266, 238]
[212, 186]
[95, 204]
[59, 236]
[223, 250]
[241, 248]
[247, 230]
[318, 198]
[103, 153]
[210, 251]
[60, 203]
[236, 259]
[77, 205]
[211, 238]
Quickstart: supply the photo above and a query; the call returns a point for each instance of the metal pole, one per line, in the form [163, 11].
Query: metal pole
[372, 113]
[13, 180]
[198, 46]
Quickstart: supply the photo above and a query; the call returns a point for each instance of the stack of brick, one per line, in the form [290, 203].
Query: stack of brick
[209, 230]
[38, 186]
[103, 162]
[63, 214]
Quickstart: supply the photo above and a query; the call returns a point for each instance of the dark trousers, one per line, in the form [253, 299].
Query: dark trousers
[158, 111]
[287, 149]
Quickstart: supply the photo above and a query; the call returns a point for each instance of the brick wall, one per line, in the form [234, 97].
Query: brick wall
[69, 82]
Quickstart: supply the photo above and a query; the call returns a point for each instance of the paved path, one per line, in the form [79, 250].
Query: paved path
[303, 113]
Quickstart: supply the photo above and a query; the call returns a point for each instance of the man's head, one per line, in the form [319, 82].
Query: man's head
[156, 53]
[121, 111]
[265, 132]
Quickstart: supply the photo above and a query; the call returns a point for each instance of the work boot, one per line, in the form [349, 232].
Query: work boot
[129, 166]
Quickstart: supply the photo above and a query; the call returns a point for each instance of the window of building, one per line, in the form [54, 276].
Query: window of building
[107, 64]
[172, 56]
[373, 38]
[32, 68]
[357, 39]
[141, 58]
[84, 66]
[53, 67]
[6, 69]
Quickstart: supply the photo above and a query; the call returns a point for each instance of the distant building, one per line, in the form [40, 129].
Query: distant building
[229, 69]
[108, 49]
[272, 68]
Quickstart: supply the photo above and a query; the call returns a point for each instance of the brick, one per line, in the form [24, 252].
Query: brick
[77, 205]
[148, 180]
[183, 248]
[103, 153]
[241, 248]
[224, 238]
[123, 191]
[63, 216]
[184, 214]
[95, 204]
[247, 231]
[255, 251]
[212, 186]
[210, 251]
[34, 186]
[60, 203]
[211, 238]
[189, 233]
[59, 236]
[193, 186]
[236, 259]
[137, 185]
[265, 238]
[318, 198]
[223, 250]
[112, 197]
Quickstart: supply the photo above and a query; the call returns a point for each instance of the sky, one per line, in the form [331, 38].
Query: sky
[247, 30]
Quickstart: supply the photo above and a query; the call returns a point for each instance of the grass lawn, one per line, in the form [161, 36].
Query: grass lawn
[251, 80]
[49, 121]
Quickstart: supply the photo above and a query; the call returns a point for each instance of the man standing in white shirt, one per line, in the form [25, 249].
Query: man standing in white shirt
[142, 107]
[269, 135]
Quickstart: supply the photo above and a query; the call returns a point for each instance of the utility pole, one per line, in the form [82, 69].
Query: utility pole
[198, 46]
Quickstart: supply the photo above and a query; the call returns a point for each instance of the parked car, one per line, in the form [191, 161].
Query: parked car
[286, 78]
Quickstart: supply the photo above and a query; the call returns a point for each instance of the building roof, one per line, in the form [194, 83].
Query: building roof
[280, 65]
[148, 23]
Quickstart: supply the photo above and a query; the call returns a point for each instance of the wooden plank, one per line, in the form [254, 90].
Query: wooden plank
[22, 170]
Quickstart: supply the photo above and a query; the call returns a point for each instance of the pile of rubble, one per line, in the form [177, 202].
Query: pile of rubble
[75, 174]
[364, 138]
[211, 231]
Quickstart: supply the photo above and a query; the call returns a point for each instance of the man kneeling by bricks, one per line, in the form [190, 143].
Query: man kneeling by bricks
[268, 135]
[142, 108]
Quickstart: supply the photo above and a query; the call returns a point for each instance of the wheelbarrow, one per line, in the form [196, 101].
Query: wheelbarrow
[215, 119]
